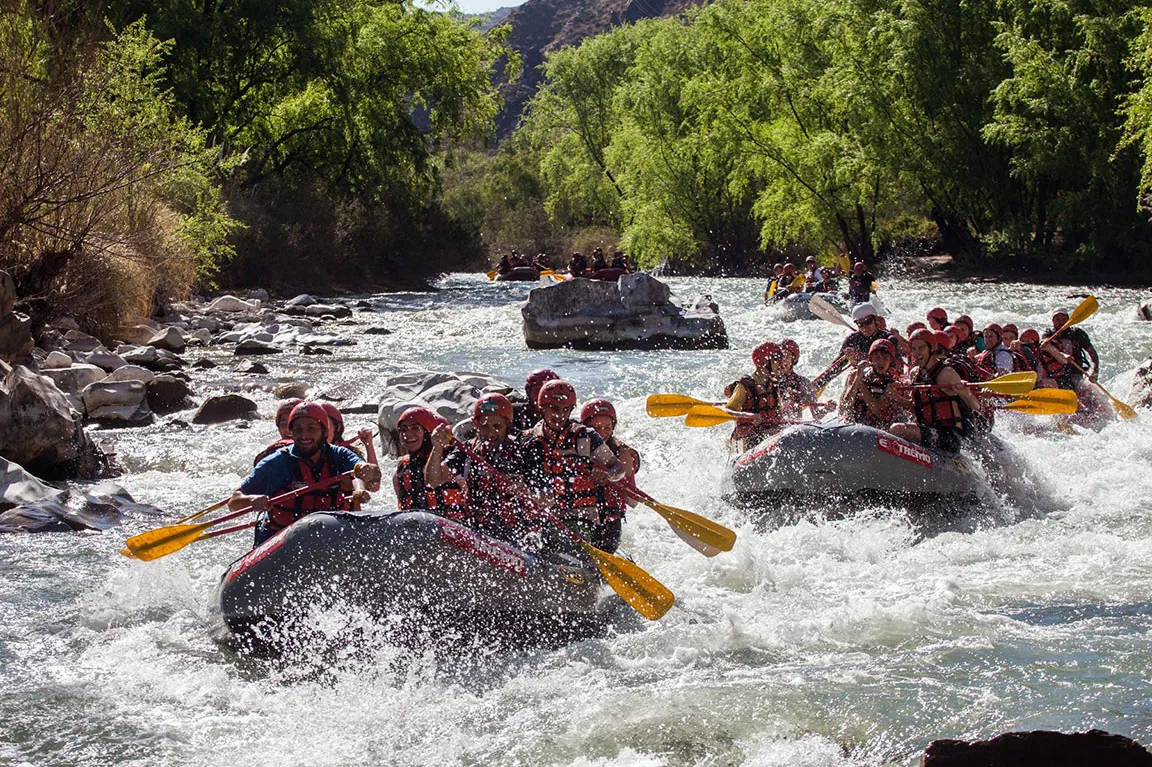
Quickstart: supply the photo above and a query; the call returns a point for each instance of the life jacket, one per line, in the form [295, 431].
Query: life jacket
[566, 463]
[492, 507]
[615, 504]
[964, 367]
[762, 398]
[275, 446]
[1053, 368]
[876, 384]
[795, 394]
[412, 492]
[934, 407]
[332, 498]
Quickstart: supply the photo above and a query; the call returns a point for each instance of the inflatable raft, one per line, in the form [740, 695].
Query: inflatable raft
[838, 468]
[795, 306]
[519, 274]
[415, 572]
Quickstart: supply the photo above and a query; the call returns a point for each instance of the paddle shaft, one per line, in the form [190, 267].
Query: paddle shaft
[291, 494]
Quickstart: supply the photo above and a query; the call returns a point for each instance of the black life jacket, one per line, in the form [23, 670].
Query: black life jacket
[936, 408]
[412, 492]
[328, 499]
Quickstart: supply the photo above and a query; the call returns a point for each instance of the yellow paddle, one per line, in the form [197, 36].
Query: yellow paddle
[708, 537]
[492, 274]
[1044, 405]
[1082, 312]
[709, 415]
[218, 505]
[641, 591]
[1123, 409]
[671, 405]
[1011, 384]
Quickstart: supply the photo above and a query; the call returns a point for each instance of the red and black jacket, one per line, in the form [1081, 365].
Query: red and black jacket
[934, 407]
[306, 473]
[412, 492]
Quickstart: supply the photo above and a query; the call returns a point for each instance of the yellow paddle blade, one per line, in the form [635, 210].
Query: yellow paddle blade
[1051, 396]
[713, 534]
[1012, 384]
[845, 264]
[707, 415]
[1039, 407]
[546, 272]
[1123, 409]
[492, 274]
[164, 540]
[1082, 312]
[641, 591]
[668, 405]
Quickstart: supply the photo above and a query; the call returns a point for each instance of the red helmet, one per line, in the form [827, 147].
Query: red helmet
[964, 318]
[1029, 336]
[286, 407]
[994, 328]
[764, 352]
[937, 313]
[882, 345]
[556, 393]
[595, 407]
[493, 404]
[334, 417]
[859, 265]
[538, 378]
[311, 410]
[925, 335]
[943, 340]
[914, 327]
[422, 416]
[792, 348]
[1010, 327]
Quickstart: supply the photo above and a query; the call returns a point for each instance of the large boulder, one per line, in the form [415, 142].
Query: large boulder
[76, 341]
[225, 407]
[168, 394]
[117, 403]
[104, 505]
[169, 339]
[56, 359]
[1040, 748]
[18, 487]
[137, 335]
[233, 304]
[75, 378]
[41, 431]
[636, 312]
[1142, 386]
[450, 395]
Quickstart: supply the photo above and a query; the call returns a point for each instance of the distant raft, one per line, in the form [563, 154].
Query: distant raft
[795, 306]
[835, 469]
[519, 274]
[415, 572]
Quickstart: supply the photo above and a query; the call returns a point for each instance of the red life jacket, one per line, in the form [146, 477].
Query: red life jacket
[271, 449]
[329, 499]
[567, 464]
[934, 407]
[412, 492]
[762, 398]
[876, 384]
[1053, 368]
[492, 506]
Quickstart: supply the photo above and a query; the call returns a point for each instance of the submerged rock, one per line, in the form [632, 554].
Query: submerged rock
[253, 346]
[636, 312]
[1040, 748]
[225, 407]
[104, 506]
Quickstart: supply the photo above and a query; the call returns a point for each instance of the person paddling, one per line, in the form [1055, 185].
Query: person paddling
[944, 411]
[796, 392]
[423, 480]
[773, 285]
[600, 414]
[1076, 344]
[308, 460]
[529, 415]
[758, 395]
[578, 265]
[870, 396]
[860, 283]
[570, 463]
[856, 346]
[283, 413]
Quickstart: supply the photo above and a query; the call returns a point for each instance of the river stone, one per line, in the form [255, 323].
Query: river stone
[18, 487]
[635, 312]
[76, 377]
[1144, 312]
[314, 350]
[16, 338]
[253, 346]
[41, 431]
[377, 332]
[131, 373]
[137, 335]
[170, 339]
[201, 336]
[1142, 386]
[451, 395]
[295, 390]
[117, 403]
[321, 310]
[225, 407]
[259, 294]
[204, 364]
[106, 360]
[1040, 748]
[141, 355]
[301, 300]
[251, 367]
[56, 360]
[168, 394]
[75, 341]
[232, 304]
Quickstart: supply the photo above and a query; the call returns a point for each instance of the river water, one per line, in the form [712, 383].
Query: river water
[853, 642]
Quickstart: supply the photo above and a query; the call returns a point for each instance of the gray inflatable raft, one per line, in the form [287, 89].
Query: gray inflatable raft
[795, 306]
[838, 468]
[419, 573]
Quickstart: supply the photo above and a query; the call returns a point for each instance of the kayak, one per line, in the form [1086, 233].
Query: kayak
[795, 306]
[837, 468]
[519, 274]
[419, 574]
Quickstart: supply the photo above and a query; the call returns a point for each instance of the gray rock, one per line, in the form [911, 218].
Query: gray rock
[169, 339]
[137, 335]
[204, 364]
[290, 390]
[56, 360]
[18, 487]
[250, 367]
[168, 394]
[225, 407]
[451, 395]
[377, 332]
[636, 312]
[117, 403]
[314, 350]
[131, 373]
[1040, 748]
[1142, 386]
[301, 300]
[75, 341]
[201, 336]
[211, 324]
[233, 304]
[141, 355]
[105, 360]
[333, 310]
[253, 346]
[41, 431]
[259, 294]
[76, 377]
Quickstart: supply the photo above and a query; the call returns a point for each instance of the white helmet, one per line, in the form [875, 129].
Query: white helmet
[860, 311]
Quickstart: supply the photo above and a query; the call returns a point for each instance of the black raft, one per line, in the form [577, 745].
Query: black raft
[416, 573]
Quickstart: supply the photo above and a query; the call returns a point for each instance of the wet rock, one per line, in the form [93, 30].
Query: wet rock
[301, 300]
[143, 356]
[41, 431]
[168, 394]
[636, 312]
[201, 336]
[225, 407]
[131, 373]
[1144, 312]
[211, 324]
[377, 332]
[204, 364]
[290, 390]
[259, 294]
[106, 360]
[250, 367]
[313, 350]
[75, 378]
[56, 360]
[137, 335]
[169, 339]
[41, 517]
[322, 310]
[253, 346]
[75, 341]
[1142, 386]
[451, 395]
[117, 403]
[1040, 748]
[18, 487]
